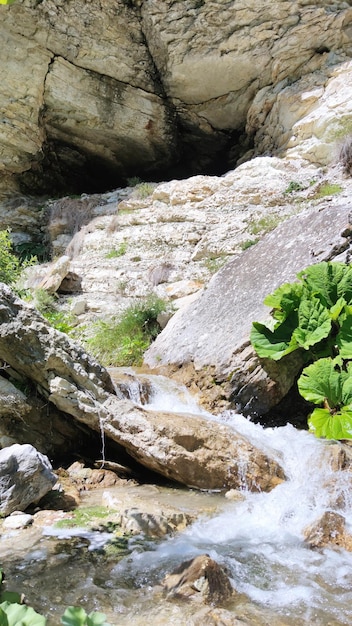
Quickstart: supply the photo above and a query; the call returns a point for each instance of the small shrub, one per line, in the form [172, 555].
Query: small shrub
[144, 190]
[10, 265]
[123, 341]
[134, 181]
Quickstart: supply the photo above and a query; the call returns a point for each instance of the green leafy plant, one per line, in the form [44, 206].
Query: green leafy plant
[329, 384]
[123, 341]
[76, 616]
[314, 316]
[10, 265]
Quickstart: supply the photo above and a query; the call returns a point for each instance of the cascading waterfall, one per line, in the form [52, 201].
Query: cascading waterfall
[258, 537]
[261, 539]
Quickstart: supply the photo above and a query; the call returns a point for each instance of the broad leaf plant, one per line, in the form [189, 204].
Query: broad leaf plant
[314, 316]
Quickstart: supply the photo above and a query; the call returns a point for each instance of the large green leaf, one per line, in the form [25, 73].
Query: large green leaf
[77, 616]
[21, 615]
[274, 344]
[329, 281]
[314, 323]
[284, 300]
[331, 426]
[3, 618]
[344, 338]
[323, 381]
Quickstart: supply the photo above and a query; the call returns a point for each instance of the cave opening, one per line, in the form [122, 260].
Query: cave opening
[64, 169]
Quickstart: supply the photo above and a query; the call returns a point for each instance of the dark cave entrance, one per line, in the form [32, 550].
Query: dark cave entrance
[64, 169]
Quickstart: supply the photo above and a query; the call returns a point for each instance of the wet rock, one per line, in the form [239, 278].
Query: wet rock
[25, 477]
[154, 525]
[201, 578]
[328, 530]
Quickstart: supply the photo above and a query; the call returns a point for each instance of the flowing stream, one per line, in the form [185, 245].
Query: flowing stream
[259, 538]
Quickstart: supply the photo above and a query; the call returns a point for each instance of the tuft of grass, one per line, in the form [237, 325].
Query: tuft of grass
[328, 189]
[122, 341]
[116, 252]
[45, 303]
[143, 190]
[264, 224]
[248, 243]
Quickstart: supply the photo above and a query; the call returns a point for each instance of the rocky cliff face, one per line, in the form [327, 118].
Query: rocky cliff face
[96, 92]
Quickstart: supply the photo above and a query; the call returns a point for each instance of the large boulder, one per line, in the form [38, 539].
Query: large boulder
[109, 89]
[213, 332]
[188, 449]
[25, 477]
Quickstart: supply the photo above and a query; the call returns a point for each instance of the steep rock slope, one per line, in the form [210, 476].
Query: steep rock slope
[95, 92]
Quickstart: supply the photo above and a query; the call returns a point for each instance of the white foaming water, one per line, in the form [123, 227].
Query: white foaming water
[167, 395]
[261, 539]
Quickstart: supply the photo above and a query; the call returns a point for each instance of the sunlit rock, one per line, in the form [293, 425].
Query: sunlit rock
[25, 477]
[200, 578]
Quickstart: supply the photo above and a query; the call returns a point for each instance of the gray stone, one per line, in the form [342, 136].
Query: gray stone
[25, 477]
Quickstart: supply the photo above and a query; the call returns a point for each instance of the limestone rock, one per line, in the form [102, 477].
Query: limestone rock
[56, 274]
[200, 577]
[25, 477]
[106, 90]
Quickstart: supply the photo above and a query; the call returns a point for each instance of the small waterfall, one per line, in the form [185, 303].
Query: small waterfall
[261, 539]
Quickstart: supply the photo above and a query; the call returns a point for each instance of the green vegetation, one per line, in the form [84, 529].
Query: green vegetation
[214, 264]
[14, 613]
[264, 224]
[10, 265]
[144, 190]
[328, 189]
[45, 303]
[294, 186]
[248, 243]
[116, 252]
[123, 341]
[84, 516]
[314, 317]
